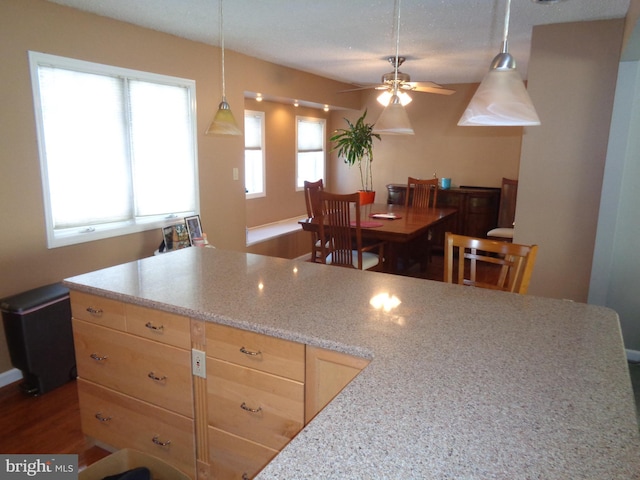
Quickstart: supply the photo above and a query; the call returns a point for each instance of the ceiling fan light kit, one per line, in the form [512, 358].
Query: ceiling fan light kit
[385, 97]
[224, 122]
[501, 98]
[393, 120]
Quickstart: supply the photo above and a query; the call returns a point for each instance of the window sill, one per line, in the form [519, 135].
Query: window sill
[268, 231]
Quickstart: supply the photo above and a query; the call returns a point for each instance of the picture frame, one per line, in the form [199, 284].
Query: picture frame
[194, 227]
[167, 239]
[175, 237]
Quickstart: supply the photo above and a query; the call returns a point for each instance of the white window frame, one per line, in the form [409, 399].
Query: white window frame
[75, 235]
[263, 192]
[323, 122]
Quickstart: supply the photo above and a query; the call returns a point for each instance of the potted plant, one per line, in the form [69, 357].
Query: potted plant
[355, 145]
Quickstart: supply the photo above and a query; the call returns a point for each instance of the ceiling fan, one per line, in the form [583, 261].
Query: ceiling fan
[403, 81]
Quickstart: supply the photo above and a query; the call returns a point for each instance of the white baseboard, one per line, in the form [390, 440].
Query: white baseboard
[10, 376]
[633, 356]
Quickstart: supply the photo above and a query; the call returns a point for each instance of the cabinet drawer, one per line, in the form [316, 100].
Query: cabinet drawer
[124, 422]
[151, 371]
[233, 457]
[99, 310]
[160, 326]
[268, 354]
[261, 407]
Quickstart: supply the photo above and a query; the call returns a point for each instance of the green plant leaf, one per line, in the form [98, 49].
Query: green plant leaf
[355, 145]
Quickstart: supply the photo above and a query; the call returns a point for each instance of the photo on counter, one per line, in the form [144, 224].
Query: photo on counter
[194, 227]
[176, 237]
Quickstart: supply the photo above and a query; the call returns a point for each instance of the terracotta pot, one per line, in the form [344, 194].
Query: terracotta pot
[367, 196]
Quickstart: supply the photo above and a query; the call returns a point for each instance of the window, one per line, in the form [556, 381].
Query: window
[254, 177]
[117, 148]
[310, 148]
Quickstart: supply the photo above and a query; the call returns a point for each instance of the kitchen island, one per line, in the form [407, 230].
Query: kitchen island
[462, 382]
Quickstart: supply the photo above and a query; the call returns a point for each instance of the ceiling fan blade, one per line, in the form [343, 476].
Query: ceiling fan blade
[367, 87]
[437, 91]
[430, 87]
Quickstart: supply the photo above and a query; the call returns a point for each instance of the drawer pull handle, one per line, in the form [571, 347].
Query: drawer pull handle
[95, 311]
[249, 352]
[157, 441]
[98, 358]
[100, 417]
[151, 326]
[249, 409]
[155, 378]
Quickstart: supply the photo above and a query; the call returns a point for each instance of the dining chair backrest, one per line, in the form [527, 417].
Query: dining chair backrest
[312, 197]
[314, 209]
[507, 209]
[425, 193]
[337, 211]
[506, 212]
[488, 263]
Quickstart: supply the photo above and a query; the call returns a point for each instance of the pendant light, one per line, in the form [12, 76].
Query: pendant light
[223, 123]
[501, 98]
[394, 119]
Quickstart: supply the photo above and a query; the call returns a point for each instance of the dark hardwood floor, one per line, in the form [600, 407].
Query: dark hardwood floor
[49, 423]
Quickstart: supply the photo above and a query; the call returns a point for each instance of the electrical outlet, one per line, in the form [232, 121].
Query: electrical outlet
[235, 174]
[198, 363]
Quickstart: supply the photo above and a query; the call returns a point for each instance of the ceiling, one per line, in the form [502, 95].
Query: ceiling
[445, 41]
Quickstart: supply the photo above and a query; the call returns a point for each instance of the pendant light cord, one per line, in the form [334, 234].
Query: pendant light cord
[224, 96]
[395, 79]
[505, 46]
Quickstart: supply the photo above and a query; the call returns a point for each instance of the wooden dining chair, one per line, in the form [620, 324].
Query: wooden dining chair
[312, 200]
[425, 193]
[488, 263]
[506, 212]
[342, 227]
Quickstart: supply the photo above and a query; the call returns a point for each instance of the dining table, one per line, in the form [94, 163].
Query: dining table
[396, 225]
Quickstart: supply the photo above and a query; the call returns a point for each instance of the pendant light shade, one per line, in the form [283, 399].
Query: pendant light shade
[393, 120]
[501, 98]
[224, 122]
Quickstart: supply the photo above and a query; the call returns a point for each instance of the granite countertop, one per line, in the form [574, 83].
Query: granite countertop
[463, 382]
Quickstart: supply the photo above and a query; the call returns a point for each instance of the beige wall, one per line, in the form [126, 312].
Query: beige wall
[282, 200]
[572, 79]
[478, 156]
[474, 156]
[470, 156]
[25, 261]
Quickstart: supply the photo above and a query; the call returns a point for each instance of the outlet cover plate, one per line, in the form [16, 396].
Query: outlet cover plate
[198, 363]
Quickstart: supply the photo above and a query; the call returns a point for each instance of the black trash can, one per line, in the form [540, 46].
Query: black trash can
[37, 324]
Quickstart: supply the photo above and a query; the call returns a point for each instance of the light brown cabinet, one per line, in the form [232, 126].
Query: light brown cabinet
[137, 390]
[133, 392]
[255, 396]
[121, 421]
[328, 372]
